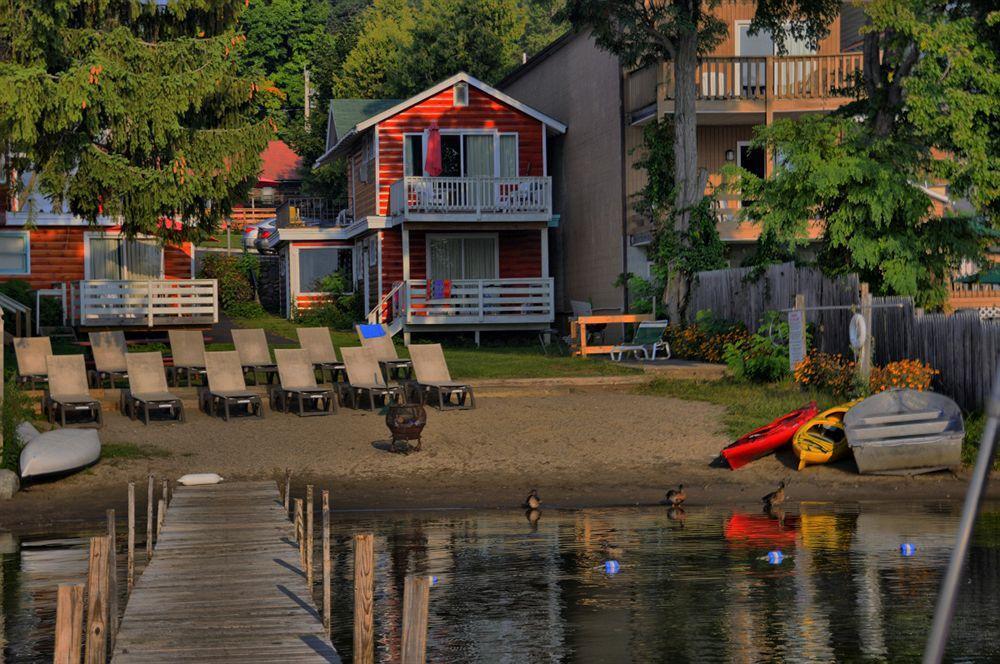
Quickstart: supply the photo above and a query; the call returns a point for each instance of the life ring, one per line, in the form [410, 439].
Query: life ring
[858, 331]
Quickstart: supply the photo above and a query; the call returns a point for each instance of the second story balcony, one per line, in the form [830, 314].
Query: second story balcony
[471, 198]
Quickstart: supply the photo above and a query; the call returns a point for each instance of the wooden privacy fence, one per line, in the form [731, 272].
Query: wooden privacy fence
[733, 294]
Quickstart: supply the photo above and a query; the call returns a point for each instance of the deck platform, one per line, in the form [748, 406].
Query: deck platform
[225, 585]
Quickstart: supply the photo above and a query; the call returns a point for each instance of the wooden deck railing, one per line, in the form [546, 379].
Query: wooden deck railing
[774, 77]
[471, 301]
[640, 87]
[144, 303]
[471, 195]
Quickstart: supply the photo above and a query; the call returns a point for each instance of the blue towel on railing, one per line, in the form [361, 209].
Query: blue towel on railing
[438, 289]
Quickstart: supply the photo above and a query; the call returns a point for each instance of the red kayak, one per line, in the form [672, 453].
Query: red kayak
[768, 438]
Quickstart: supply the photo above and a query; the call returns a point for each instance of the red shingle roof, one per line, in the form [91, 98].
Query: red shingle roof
[280, 164]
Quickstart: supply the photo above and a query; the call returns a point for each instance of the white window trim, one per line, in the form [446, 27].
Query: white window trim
[459, 131]
[88, 235]
[27, 252]
[293, 260]
[463, 236]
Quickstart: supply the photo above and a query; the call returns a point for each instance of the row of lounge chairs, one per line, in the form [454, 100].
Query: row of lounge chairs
[360, 380]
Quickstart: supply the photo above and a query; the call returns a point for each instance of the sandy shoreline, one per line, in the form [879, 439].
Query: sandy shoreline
[580, 446]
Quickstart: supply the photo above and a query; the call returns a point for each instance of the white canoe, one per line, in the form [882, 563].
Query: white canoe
[59, 451]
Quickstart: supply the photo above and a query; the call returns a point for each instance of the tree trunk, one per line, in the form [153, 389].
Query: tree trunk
[689, 188]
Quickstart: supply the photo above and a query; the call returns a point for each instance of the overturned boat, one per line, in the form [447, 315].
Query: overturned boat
[905, 432]
[57, 452]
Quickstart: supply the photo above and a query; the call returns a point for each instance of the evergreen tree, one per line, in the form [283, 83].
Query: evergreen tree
[132, 109]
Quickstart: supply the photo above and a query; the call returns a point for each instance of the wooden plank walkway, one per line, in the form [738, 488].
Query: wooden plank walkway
[225, 585]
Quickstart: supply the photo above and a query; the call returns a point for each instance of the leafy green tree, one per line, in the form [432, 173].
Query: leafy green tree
[373, 67]
[545, 22]
[642, 32]
[132, 109]
[927, 112]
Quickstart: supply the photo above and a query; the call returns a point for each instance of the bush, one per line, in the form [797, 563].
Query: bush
[51, 309]
[339, 310]
[249, 310]
[757, 359]
[232, 274]
[17, 407]
[823, 371]
[705, 339]
[910, 374]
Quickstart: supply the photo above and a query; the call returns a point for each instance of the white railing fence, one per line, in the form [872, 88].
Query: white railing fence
[144, 303]
[479, 195]
[463, 301]
[389, 309]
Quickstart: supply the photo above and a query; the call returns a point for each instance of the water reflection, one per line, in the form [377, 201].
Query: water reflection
[693, 585]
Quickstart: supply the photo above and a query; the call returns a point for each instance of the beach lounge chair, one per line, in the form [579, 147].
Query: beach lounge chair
[148, 390]
[31, 353]
[377, 338]
[226, 386]
[435, 380]
[187, 347]
[297, 385]
[254, 354]
[647, 342]
[68, 391]
[365, 379]
[108, 349]
[317, 342]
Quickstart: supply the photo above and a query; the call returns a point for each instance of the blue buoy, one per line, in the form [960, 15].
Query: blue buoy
[434, 580]
[612, 567]
[907, 549]
[775, 557]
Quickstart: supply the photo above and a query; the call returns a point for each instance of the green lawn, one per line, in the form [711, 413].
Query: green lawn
[466, 362]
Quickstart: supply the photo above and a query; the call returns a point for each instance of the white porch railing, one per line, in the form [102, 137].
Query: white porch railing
[480, 196]
[144, 303]
[480, 301]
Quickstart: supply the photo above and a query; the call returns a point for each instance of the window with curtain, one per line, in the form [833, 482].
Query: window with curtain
[451, 155]
[14, 253]
[472, 257]
[316, 263]
[413, 155]
[118, 258]
[508, 155]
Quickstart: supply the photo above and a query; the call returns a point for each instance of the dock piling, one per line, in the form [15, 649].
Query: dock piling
[112, 579]
[69, 624]
[326, 561]
[364, 598]
[166, 491]
[130, 576]
[96, 651]
[288, 492]
[149, 518]
[416, 601]
[309, 536]
[299, 532]
[161, 509]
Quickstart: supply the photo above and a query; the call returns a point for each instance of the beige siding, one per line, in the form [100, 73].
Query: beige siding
[635, 179]
[730, 12]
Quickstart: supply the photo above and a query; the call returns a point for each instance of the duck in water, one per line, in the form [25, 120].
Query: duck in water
[774, 498]
[675, 497]
[532, 516]
[532, 502]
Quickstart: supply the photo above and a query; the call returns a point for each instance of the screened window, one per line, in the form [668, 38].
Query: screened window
[120, 258]
[413, 155]
[316, 263]
[14, 253]
[472, 257]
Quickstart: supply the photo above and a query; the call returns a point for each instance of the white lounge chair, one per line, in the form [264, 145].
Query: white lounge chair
[646, 344]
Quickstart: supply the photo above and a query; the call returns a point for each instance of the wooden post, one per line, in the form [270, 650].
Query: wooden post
[865, 357]
[309, 537]
[149, 519]
[288, 492]
[364, 598]
[161, 509]
[166, 491]
[416, 600]
[97, 602]
[69, 624]
[299, 534]
[131, 537]
[112, 580]
[326, 562]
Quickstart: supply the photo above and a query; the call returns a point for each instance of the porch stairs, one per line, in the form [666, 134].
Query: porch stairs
[389, 310]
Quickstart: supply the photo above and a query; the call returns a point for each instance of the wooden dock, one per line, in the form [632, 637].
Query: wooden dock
[225, 585]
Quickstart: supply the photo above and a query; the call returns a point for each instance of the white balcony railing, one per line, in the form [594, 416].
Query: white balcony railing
[144, 303]
[477, 301]
[479, 196]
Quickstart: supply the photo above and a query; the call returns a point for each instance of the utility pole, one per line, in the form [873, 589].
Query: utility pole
[307, 93]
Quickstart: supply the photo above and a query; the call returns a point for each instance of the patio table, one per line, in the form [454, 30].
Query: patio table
[578, 331]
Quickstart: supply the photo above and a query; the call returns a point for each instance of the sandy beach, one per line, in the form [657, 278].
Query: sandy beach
[579, 445]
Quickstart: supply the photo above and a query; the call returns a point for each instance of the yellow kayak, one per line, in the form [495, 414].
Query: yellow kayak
[822, 439]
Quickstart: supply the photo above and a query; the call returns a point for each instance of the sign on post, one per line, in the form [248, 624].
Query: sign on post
[797, 333]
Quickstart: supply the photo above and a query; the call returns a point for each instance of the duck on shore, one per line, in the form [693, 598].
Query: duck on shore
[775, 498]
[675, 497]
[532, 502]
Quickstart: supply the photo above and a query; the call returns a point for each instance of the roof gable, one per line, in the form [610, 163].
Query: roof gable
[345, 114]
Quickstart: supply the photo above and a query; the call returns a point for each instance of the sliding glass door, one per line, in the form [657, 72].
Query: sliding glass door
[117, 258]
[462, 257]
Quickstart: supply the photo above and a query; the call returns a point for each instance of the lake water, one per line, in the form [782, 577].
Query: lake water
[691, 590]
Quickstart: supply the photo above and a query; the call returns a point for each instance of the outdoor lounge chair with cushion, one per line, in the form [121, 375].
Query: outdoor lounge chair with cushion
[364, 378]
[297, 385]
[148, 390]
[647, 342]
[226, 386]
[317, 342]
[187, 347]
[254, 354]
[31, 353]
[108, 349]
[68, 391]
[377, 338]
[434, 379]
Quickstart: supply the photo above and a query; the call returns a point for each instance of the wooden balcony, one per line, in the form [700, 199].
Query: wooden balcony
[471, 198]
[153, 303]
[476, 302]
[743, 84]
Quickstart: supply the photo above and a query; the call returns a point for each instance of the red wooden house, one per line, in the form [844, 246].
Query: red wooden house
[450, 202]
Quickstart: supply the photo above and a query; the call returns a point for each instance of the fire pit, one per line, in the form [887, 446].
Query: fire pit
[406, 422]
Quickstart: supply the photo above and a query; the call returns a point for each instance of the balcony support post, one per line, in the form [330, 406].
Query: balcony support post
[545, 252]
[406, 254]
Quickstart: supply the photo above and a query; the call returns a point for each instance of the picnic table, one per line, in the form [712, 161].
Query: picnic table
[578, 331]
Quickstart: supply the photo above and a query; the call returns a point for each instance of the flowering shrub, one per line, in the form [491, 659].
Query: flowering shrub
[911, 374]
[826, 371]
[705, 339]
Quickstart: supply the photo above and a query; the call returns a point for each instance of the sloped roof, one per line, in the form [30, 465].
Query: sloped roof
[280, 164]
[347, 113]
